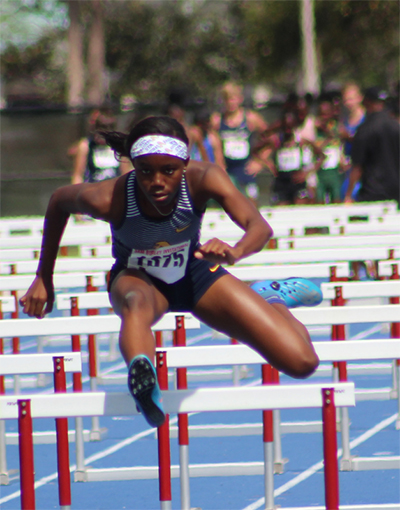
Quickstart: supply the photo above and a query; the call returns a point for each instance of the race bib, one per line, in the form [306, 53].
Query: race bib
[105, 158]
[167, 263]
[332, 159]
[307, 156]
[289, 159]
[236, 148]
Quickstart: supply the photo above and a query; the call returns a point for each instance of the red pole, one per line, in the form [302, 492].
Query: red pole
[333, 278]
[164, 453]
[76, 346]
[91, 337]
[64, 477]
[159, 339]
[395, 326]
[15, 314]
[26, 465]
[340, 334]
[183, 421]
[268, 422]
[331, 472]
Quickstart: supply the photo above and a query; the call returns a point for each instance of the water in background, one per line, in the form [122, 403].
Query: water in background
[34, 159]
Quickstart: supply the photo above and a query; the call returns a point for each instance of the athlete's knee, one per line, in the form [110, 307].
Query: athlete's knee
[305, 365]
[135, 301]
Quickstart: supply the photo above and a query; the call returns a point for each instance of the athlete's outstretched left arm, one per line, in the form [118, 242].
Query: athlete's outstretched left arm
[217, 185]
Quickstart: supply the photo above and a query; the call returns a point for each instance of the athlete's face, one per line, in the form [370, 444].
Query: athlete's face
[233, 102]
[159, 177]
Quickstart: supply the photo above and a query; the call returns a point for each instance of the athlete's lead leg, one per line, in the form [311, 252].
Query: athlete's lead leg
[232, 307]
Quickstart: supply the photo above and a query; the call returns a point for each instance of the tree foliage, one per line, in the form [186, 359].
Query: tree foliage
[155, 46]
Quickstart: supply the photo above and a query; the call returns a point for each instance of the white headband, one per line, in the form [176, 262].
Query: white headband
[159, 144]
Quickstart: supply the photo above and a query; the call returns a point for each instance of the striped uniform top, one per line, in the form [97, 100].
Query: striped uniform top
[160, 246]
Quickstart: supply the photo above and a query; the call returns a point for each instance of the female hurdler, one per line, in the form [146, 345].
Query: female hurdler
[155, 214]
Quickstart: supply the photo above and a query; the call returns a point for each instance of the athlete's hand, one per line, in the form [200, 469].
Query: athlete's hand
[253, 167]
[39, 299]
[217, 252]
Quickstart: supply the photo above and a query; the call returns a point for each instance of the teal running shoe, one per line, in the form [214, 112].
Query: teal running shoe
[292, 292]
[144, 388]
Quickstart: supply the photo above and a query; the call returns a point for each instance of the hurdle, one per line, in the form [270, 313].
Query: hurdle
[80, 325]
[180, 401]
[57, 364]
[331, 315]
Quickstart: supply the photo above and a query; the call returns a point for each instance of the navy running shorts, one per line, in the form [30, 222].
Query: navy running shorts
[184, 294]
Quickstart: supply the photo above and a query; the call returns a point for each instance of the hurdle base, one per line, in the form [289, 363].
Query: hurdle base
[375, 394]
[49, 437]
[279, 466]
[192, 376]
[372, 463]
[4, 479]
[247, 429]
[6, 476]
[98, 435]
[81, 475]
[39, 381]
[151, 472]
[347, 464]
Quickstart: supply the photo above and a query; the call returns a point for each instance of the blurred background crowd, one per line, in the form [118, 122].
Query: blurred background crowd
[273, 91]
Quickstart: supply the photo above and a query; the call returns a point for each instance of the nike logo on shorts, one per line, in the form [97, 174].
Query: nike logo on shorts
[182, 228]
[214, 268]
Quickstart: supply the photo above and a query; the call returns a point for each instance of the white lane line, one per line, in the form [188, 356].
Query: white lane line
[367, 332]
[319, 465]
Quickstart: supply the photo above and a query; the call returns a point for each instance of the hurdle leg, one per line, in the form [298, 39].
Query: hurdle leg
[235, 368]
[64, 477]
[397, 364]
[95, 433]
[183, 421]
[79, 475]
[279, 461]
[26, 464]
[268, 440]
[331, 473]
[164, 453]
[4, 479]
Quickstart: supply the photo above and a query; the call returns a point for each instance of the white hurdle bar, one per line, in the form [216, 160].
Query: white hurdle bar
[181, 401]
[55, 364]
[32, 364]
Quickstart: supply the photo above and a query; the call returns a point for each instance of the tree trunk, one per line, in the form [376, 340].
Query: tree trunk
[96, 56]
[75, 57]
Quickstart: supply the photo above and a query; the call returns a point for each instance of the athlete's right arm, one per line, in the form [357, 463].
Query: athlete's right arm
[97, 200]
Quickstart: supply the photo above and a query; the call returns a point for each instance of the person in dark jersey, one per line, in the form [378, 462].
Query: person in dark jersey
[155, 214]
[94, 161]
[375, 152]
[236, 126]
[288, 167]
